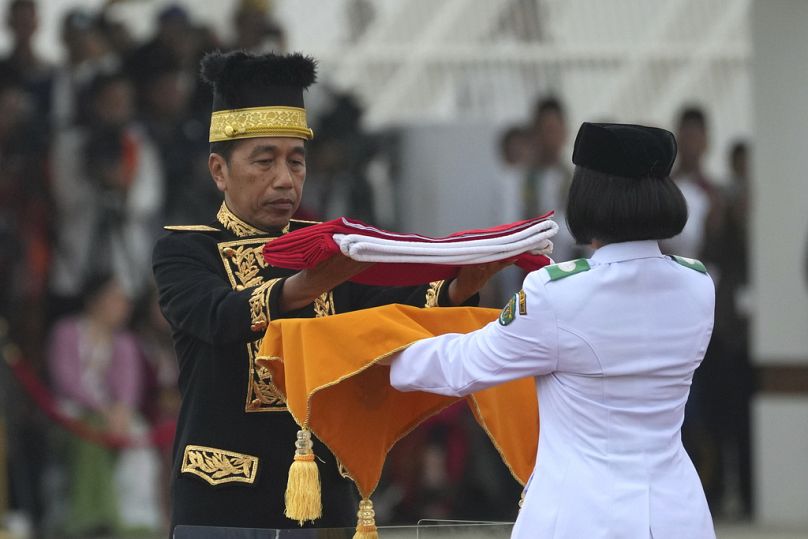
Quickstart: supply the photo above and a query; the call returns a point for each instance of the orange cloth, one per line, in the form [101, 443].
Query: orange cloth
[325, 368]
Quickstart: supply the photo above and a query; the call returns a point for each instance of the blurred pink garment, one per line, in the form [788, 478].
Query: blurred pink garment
[93, 376]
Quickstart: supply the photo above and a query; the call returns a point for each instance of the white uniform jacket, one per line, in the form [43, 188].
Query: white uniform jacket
[613, 349]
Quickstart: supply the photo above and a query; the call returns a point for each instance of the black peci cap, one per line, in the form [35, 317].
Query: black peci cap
[629, 151]
[258, 95]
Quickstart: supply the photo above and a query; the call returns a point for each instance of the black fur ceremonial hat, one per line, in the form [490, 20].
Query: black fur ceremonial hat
[630, 151]
[258, 95]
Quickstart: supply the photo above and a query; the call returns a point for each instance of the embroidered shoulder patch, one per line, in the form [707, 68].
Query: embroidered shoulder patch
[508, 314]
[218, 466]
[691, 263]
[565, 269]
[191, 228]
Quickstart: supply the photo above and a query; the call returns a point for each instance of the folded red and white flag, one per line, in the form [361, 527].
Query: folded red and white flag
[409, 259]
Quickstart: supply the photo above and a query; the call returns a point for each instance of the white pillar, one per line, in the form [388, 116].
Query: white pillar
[778, 256]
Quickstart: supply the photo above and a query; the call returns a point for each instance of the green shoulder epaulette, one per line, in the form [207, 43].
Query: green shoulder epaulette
[691, 263]
[191, 228]
[565, 269]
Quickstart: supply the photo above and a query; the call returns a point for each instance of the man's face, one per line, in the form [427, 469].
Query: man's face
[115, 103]
[23, 20]
[263, 181]
[551, 135]
[692, 141]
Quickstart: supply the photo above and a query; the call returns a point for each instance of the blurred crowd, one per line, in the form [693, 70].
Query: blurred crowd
[101, 150]
[97, 153]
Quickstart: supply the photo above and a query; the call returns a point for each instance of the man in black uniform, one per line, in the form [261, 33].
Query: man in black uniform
[234, 441]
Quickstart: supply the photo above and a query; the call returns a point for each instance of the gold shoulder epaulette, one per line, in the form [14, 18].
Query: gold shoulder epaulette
[191, 228]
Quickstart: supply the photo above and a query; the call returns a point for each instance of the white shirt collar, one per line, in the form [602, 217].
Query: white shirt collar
[629, 250]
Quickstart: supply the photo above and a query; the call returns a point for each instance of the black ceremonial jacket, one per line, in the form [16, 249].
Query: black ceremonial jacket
[235, 438]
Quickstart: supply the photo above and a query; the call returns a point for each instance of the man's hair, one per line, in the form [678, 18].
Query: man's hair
[613, 209]
[693, 114]
[14, 5]
[547, 104]
[104, 80]
[224, 148]
[739, 147]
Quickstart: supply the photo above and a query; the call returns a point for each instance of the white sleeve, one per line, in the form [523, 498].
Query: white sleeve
[457, 364]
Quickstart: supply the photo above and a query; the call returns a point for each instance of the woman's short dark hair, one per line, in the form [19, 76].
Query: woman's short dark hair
[613, 209]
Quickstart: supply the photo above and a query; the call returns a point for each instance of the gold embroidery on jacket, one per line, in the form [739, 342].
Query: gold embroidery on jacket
[324, 305]
[239, 227]
[433, 293]
[217, 466]
[262, 395]
[243, 261]
[259, 305]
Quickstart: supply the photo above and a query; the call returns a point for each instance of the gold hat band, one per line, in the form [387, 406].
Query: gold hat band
[259, 122]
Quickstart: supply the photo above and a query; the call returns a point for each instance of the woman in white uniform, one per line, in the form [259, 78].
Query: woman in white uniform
[612, 341]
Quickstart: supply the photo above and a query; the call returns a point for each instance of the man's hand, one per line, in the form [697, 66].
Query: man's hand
[305, 286]
[471, 279]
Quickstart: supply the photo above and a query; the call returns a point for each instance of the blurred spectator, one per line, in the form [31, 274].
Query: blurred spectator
[108, 190]
[423, 470]
[161, 404]
[447, 468]
[548, 178]
[97, 376]
[703, 200]
[182, 141]
[729, 374]
[120, 41]
[516, 155]
[702, 238]
[255, 31]
[337, 182]
[172, 38]
[35, 75]
[24, 214]
[88, 54]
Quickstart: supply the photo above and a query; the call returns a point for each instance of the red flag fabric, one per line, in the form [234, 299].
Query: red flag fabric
[307, 247]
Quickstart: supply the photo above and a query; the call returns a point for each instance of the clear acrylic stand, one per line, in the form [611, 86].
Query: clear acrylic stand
[425, 529]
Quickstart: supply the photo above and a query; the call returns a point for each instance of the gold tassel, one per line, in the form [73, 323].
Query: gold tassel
[303, 498]
[366, 521]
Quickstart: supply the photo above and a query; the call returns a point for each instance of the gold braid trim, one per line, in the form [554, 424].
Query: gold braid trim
[259, 122]
[234, 224]
[190, 228]
[238, 227]
[217, 466]
[259, 306]
[324, 305]
[433, 293]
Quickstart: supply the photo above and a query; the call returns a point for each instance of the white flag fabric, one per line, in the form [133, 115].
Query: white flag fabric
[534, 239]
